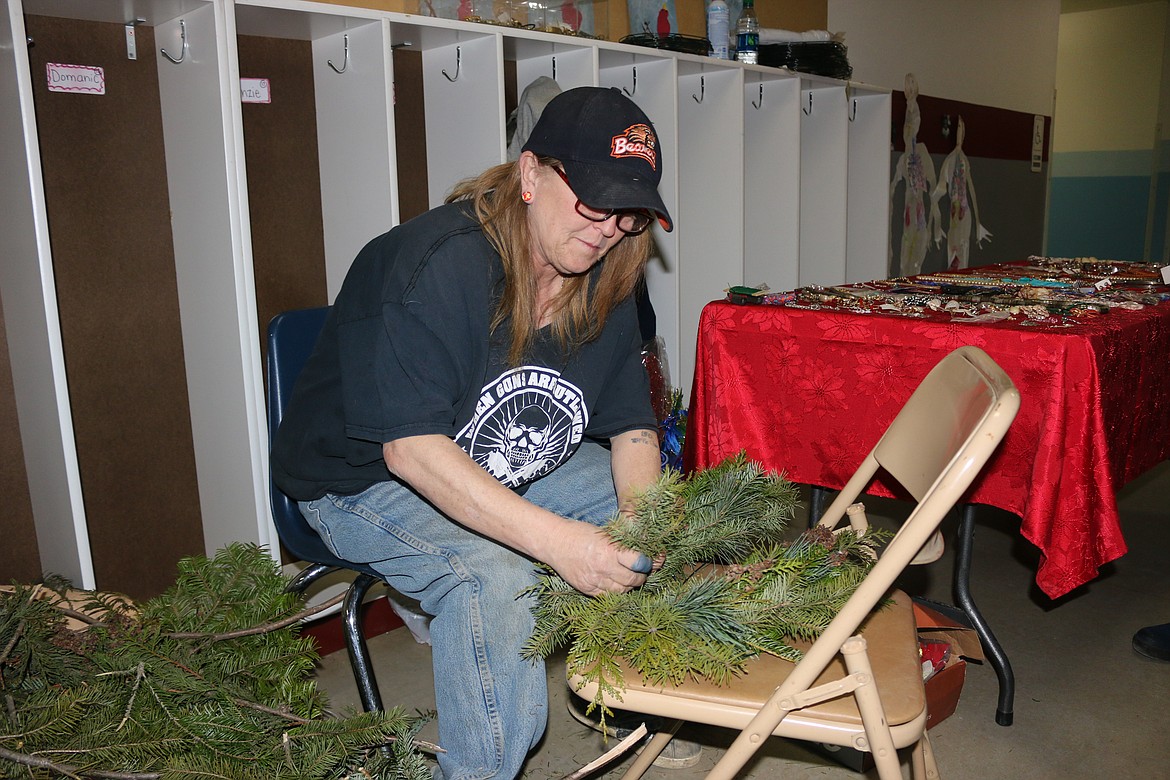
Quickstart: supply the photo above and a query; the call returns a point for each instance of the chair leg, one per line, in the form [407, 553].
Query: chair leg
[922, 763]
[873, 714]
[355, 643]
[308, 576]
[652, 750]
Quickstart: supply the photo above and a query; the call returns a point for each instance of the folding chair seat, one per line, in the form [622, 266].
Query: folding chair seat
[291, 338]
[859, 684]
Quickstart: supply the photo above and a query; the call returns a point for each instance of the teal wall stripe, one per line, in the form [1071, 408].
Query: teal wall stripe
[1099, 216]
[1116, 163]
[1161, 209]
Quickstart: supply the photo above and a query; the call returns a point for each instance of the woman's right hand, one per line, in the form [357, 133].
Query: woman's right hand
[589, 561]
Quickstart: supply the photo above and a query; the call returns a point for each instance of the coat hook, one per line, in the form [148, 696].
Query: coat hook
[635, 89]
[458, 64]
[554, 63]
[808, 111]
[760, 102]
[853, 110]
[702, 90]
[344, 62]
[183, 37]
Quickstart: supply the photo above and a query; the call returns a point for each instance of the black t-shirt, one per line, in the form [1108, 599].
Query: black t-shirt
[406, 350]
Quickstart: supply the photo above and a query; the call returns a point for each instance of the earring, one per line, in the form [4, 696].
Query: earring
[526, 196]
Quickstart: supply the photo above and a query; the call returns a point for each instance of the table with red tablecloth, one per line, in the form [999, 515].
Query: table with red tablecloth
[810, 392]
[808, 389]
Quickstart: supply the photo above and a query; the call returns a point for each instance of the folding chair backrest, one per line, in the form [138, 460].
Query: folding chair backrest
[935, 447]
[940, 419]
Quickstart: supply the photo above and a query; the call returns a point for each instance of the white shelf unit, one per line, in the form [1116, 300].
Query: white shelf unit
[30, 314]
[649, 77]
[563, 59]
[201, 128]
[762, 188]
[355, 127]
[823, 181]
[711, 196]
[213, 266]
[867, 225]
[771, 165]
[463, 88]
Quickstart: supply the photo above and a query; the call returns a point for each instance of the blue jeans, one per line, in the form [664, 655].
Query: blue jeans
[492, 704]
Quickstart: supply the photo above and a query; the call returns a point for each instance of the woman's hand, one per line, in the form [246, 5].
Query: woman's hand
[589, 561]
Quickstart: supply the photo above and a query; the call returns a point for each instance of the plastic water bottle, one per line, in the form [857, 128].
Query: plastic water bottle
[747, 34]
[719, 29]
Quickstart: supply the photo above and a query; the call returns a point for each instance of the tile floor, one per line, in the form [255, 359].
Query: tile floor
[1086, 705]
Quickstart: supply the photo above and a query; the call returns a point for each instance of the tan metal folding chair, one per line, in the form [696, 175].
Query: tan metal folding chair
[860, 684]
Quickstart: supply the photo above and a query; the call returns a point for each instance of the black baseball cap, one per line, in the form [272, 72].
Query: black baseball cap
[607, 146]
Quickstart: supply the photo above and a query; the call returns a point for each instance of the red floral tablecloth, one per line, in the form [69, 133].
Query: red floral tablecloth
[810, 392]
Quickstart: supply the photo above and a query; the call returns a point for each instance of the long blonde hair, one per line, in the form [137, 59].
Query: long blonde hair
[579, 314]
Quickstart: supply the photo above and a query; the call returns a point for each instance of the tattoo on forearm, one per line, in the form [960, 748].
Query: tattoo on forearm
[644, 437]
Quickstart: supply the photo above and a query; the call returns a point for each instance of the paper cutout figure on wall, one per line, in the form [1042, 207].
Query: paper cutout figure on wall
[954, 181]
[915, 166]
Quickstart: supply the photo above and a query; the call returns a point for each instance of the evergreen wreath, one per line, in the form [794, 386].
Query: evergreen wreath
[208, 680]
[692, 619]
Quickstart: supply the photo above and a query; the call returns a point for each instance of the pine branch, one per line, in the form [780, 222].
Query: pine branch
[12, 642]
[143, 694]
[692, 620]
[304, 614]
[631, 739]
[70, 771]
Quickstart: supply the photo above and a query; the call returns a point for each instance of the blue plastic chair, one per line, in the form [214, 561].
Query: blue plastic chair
[291, 338]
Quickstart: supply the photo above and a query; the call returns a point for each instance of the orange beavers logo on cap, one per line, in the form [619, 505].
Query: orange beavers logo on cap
[636, 141]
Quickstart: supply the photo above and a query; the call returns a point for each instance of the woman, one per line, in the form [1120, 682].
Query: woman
[446, 428]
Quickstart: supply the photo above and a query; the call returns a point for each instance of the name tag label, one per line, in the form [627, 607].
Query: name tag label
[255, 91]
[86, 79]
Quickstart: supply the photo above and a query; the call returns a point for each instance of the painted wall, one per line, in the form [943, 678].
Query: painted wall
[994, 63]
[1105, 142]
[1160, 219]
[999, 53]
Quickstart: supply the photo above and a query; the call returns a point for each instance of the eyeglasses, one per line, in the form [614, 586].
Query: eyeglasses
[629, 222]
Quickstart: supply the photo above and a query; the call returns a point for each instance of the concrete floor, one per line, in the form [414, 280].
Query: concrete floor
[1086, 705]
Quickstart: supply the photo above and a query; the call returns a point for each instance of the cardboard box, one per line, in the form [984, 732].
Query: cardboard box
[945, 623]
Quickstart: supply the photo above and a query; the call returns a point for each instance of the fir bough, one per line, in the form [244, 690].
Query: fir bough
[731, 586]
[192, 684]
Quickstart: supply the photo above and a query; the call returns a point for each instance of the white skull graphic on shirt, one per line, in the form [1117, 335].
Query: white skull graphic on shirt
[527, 421]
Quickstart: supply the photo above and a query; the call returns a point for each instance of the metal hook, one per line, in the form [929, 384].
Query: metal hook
[631, 92]
[853, 110]
[760, 103]
[808, 111]
[702, 90]
[183, 36]
[458, 64]
[554, 63]
[345, 62]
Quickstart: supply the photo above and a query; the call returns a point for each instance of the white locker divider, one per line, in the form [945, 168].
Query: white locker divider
[823, 179]
[771, 165]
[867, 240]
[710, 190]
